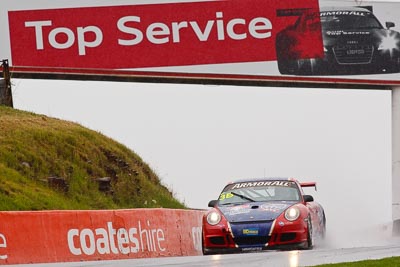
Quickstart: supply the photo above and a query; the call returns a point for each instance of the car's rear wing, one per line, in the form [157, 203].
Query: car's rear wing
[309, 184]
[370, 8]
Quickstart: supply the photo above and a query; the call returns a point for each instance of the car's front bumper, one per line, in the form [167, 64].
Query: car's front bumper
[337, 62]
[284, 235]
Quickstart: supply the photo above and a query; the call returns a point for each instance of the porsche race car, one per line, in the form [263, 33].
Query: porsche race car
[261, 214]
[353, 40]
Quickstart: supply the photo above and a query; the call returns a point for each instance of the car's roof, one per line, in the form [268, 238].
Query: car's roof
[343, 8]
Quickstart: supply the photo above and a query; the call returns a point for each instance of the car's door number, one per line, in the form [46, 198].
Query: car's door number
[225, 196]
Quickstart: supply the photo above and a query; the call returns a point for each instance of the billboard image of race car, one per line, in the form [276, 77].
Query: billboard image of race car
[261, 214]
[354, 42]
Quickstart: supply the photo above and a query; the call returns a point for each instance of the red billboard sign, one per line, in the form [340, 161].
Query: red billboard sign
[285, 41]
[154, 35]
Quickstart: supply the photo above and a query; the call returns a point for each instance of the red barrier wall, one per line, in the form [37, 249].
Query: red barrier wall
[65, 236]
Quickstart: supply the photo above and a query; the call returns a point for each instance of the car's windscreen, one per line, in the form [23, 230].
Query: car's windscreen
[339, 21]
[259, 192]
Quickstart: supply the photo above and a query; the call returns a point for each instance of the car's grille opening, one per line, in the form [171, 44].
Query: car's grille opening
[288, 237]
[251, 222]
[251, 240]
[217, 240]
[353, 54]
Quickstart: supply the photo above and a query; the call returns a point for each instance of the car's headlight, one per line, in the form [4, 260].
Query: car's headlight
[213, 218]
[292, 213]
[389, 42]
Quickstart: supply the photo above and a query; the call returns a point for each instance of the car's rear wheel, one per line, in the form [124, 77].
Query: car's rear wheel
[323, 234]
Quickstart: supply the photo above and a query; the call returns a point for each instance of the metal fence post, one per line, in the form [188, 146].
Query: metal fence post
[5, 86]
[396, 160]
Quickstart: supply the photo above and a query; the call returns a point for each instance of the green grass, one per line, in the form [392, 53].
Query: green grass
[387, 262]
[34, 147]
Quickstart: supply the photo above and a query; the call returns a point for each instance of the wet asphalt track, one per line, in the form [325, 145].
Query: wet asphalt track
[259, 259]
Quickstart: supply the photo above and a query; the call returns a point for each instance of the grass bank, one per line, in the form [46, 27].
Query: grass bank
[387, 262]
[46, 163]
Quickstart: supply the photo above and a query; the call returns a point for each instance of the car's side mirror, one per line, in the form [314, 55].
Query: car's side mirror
[308, 198]
[390, 24]
[212, 203]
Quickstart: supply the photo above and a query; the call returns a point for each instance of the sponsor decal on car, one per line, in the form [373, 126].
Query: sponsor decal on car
[242, 209]
[252, 249]
[273, 207]
[262, 183]
[343, 13]
[338, 33]
[250, 231]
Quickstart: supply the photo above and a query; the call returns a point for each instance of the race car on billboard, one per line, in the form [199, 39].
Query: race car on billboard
[260, 214]
[353, 42]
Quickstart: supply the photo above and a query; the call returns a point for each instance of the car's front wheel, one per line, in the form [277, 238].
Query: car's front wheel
[286, 67]
[295, 67]
[310, 241]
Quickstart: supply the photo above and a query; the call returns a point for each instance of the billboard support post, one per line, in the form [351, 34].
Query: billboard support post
[5, 87]
[396, 160]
